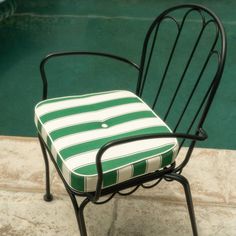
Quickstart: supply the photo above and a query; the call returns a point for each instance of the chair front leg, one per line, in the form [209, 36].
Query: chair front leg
[48, 196]
[79, 212]
[181, 179]
[82, 225]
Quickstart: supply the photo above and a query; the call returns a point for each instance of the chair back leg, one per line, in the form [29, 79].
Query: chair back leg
[181, 179]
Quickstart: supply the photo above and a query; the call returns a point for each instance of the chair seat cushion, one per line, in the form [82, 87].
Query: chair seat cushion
[74, 128]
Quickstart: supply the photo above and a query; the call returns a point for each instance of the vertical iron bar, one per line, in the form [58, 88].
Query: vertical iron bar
[166, 68]
[184, 72]
[193, 90]
[80, 212]
[197, 113]
[181, 179]
[200, 75]
[214, 87]
[48, 196]
[151, 51]
[149, 59]
[170, 57]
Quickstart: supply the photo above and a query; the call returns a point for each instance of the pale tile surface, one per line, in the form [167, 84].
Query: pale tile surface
[149, 217]
[21, 164]
[211, 173]
[216, 220]
[27, 214]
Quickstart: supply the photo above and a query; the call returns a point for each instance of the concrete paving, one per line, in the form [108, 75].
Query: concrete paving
[158, 211]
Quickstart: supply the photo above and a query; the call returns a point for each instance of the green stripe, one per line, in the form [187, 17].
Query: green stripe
[86, 108]
[77, 182]
[39, 125]
[166, 159]
[122, 161]
[59, 162]
[97, 125]
[96, 144]
[61, 99]
[49, 142]
[109, 178]
[139, 168]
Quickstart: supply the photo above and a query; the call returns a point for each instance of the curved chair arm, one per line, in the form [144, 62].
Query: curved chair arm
[76, 53]
[200, 136]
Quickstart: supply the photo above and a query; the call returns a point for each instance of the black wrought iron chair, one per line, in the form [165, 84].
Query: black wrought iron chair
[103, 143]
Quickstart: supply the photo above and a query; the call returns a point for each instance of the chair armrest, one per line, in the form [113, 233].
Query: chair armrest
[200, 136]
[78, 53]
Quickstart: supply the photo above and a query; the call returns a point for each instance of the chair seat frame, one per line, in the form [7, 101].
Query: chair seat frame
[169, 173]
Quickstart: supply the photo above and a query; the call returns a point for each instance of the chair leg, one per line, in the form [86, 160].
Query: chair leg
[48, 196]
[181, 179]
[82, 225]
[79, 212]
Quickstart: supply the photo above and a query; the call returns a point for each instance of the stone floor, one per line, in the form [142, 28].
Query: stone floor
[159, 211]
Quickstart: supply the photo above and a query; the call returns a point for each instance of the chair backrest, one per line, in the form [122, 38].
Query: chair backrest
[181, 65]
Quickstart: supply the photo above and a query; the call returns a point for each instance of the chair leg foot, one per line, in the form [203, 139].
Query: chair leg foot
[48, 197]
[181, 179]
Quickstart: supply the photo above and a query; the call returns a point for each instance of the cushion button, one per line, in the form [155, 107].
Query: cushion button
[104, 125]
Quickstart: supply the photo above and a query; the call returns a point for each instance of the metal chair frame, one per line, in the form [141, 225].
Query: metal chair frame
[172, 172]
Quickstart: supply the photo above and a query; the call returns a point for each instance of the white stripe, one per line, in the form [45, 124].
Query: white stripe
[90, 183]
[66, 173]
[175, 152]
[44, 134]
[54, 152]
[70, 140]
[60, 105]
[154, 164]
[118, 151]
[125, 173]
[93, 116]
[36, 121]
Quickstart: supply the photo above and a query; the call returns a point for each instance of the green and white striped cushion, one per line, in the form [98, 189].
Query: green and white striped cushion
[76, 127]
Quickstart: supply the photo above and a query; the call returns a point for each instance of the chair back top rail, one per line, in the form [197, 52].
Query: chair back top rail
[216, 48]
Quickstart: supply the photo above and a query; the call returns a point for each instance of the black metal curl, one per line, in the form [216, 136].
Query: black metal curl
[154, 42]
[179, 172]
[152, 185]
[130, 192]
[77, 53]
[173, 19]
[203, 17]
[167, 179]
[166, 68]
[180, 27]
[107, 200]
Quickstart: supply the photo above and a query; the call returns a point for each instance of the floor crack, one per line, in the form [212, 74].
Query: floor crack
[29, 221]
